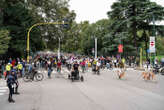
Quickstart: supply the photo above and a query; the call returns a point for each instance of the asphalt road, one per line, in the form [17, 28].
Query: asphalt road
[103, 92]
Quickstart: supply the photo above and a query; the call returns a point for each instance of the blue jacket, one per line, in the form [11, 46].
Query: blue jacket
[10, 79]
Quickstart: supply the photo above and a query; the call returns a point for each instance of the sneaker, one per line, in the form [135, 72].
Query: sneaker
[13, 101]
[17, 93]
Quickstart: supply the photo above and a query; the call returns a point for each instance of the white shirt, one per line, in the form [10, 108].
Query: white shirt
[98, 64]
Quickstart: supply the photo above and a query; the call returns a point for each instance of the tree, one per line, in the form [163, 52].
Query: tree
[18, 16]
[160, 45]
[53, 11]
[89, 32]
[4, 41]
[132, 16]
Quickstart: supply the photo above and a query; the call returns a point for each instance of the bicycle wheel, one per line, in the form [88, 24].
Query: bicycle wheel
[39, 76]
[26, 78]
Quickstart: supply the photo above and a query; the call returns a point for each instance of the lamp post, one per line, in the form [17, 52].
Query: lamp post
[154, 35]
[26, 2]
[95, 47]
[28, 34]
[59, 50]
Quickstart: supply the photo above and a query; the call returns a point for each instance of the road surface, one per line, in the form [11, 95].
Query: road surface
[103, 92]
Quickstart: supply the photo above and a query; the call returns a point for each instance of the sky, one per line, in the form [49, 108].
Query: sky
[94, 10]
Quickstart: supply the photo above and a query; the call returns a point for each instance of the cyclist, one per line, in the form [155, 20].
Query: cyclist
[75, 69]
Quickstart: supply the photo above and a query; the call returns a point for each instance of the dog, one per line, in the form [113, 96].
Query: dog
[120, 74]
[148, 75]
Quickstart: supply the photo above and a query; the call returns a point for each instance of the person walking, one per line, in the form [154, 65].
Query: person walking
[49, 69]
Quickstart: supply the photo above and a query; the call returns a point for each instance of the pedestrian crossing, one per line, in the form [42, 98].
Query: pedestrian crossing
[3, 87]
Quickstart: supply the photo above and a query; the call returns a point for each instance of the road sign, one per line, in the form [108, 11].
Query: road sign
[148, 51]
[120, 48]
[152, 45]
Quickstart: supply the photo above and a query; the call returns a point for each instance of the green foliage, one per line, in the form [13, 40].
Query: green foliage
[17, 19]
[160, 45]
[4, 41]
[129, 24]
[133, 17]
[18, 16]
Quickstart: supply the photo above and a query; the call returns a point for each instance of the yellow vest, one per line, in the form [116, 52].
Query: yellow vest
[123, 60]
[20, 66]
[8, 67]
[94, 62]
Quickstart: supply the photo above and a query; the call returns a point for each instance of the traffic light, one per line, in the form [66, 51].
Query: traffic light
[66, 23]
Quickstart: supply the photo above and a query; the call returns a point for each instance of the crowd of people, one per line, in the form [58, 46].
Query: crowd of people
[12, 69]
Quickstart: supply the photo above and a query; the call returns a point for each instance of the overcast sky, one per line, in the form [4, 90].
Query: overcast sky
[94, 10]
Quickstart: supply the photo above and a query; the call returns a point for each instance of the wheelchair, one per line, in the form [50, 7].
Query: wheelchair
[74, 76]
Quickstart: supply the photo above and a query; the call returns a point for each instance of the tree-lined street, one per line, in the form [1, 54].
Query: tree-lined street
[124, 53]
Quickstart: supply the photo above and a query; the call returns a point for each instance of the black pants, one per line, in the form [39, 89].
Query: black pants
[11, 91]
[16, 88]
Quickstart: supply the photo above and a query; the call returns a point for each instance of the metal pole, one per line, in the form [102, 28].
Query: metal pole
[155, 38]
[59, 50]
[95, 47]
[141, 57]
[28, 35]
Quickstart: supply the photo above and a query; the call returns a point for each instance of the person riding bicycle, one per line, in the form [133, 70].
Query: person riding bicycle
[75, 70]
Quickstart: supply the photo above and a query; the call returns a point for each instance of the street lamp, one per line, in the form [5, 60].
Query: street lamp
[35, 25]
[94, 51]
[95, 47]
[59, 50]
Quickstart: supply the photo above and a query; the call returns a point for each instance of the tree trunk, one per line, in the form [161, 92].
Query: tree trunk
[134, 28]
[146, 46]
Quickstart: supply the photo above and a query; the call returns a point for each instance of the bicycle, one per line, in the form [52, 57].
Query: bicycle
[30, 76]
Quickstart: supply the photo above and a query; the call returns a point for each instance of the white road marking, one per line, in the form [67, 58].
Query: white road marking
[1, 91]
[3, 87]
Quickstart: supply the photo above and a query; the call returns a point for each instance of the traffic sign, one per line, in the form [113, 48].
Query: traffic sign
[152, 45]
[148, 51]
[120, 48]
